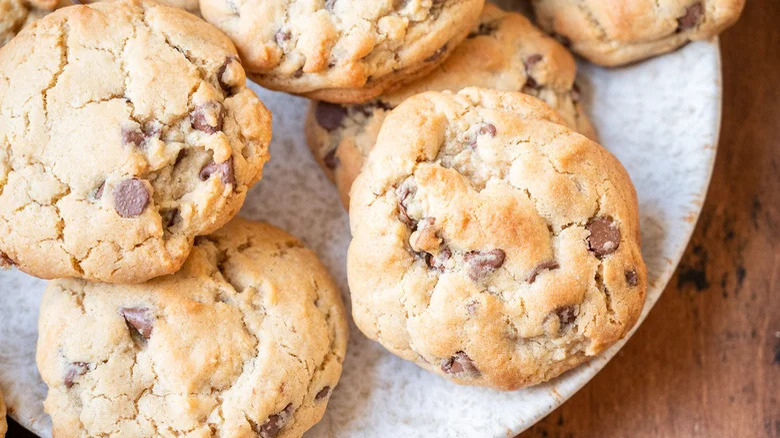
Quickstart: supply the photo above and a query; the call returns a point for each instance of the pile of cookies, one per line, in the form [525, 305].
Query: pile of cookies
[495, 242]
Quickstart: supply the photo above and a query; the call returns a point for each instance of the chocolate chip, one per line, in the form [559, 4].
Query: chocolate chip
[224, 169]
[133, 137]
[6, 261]
[180, 156]
[282, 36]
[552, 264]
[140, 319]
[437, 262]
[74, 369]
[437, 54]
[225, 82]
[484, 29]
[275, 423]
[459, 363]
[567, 314]
[207, 117]
[331, 160]
[298, 73]
[130, 197]
[482, 263]
[531, 61]
[329, 115]
[324, 392]
[330, 4]
[488, 128]
[693, 14]
[604, 236]
[403, 193]
[632, 278]
[99, 191]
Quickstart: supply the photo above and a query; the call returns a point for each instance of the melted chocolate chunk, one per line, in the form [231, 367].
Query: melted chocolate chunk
[208, 117]
[459, 363]
[324, 392]
[133, 137]
[693, 14]
[130, 198]
[224, 169]
[567, 314]
[549, 265]
[604, 236]
[481, 263]
[275, 423]
[73, 370]
[484, 29]
[489, 129]
[632, 278]
[437, 262]
[329, 115]
[139, 319]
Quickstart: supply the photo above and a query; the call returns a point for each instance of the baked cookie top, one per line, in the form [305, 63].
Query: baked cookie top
[342, 50]
[492, 244]
[111, 178]
[246, 340]
[17, 14]
[615, 33]
[503, 51]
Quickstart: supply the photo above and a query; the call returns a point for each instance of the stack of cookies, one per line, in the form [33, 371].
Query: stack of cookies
[495, 242]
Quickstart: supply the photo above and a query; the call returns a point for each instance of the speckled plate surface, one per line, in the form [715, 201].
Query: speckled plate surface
[660, 117]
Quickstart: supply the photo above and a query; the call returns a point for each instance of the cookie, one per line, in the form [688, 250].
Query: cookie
[191, 6]
[345, 51]
[613, 34]
[18, 14]
[111, 178]
[248, 339]
[504, 51]
[492, 244]
[3, 424]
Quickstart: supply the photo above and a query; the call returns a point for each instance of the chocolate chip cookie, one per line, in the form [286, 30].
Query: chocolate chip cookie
[18, 14]
[119, 148]
[611, 34]
[492, 244]
[345, 51]
[247, 339]
[503, 51]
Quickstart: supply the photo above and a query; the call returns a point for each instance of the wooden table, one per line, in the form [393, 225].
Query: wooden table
[706, 362]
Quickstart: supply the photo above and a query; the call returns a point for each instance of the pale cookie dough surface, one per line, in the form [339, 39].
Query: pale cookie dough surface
[342, 50]
[111, 178]
[492, 244]
[3, 424]
[614, 33]
[247, 340]
[504, 51]
[191, 6]
[15, 15]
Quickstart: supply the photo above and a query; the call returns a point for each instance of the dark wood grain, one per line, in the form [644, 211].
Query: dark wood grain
[706, 362]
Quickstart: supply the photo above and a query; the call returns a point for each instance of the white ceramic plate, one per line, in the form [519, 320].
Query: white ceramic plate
[660, 117]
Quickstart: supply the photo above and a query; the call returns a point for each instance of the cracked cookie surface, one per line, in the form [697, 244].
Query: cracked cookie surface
[119, 148]
[246, 340]
[342, 50]
[503, 51]
[15, 15]
[492, 244]
[616, 33]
